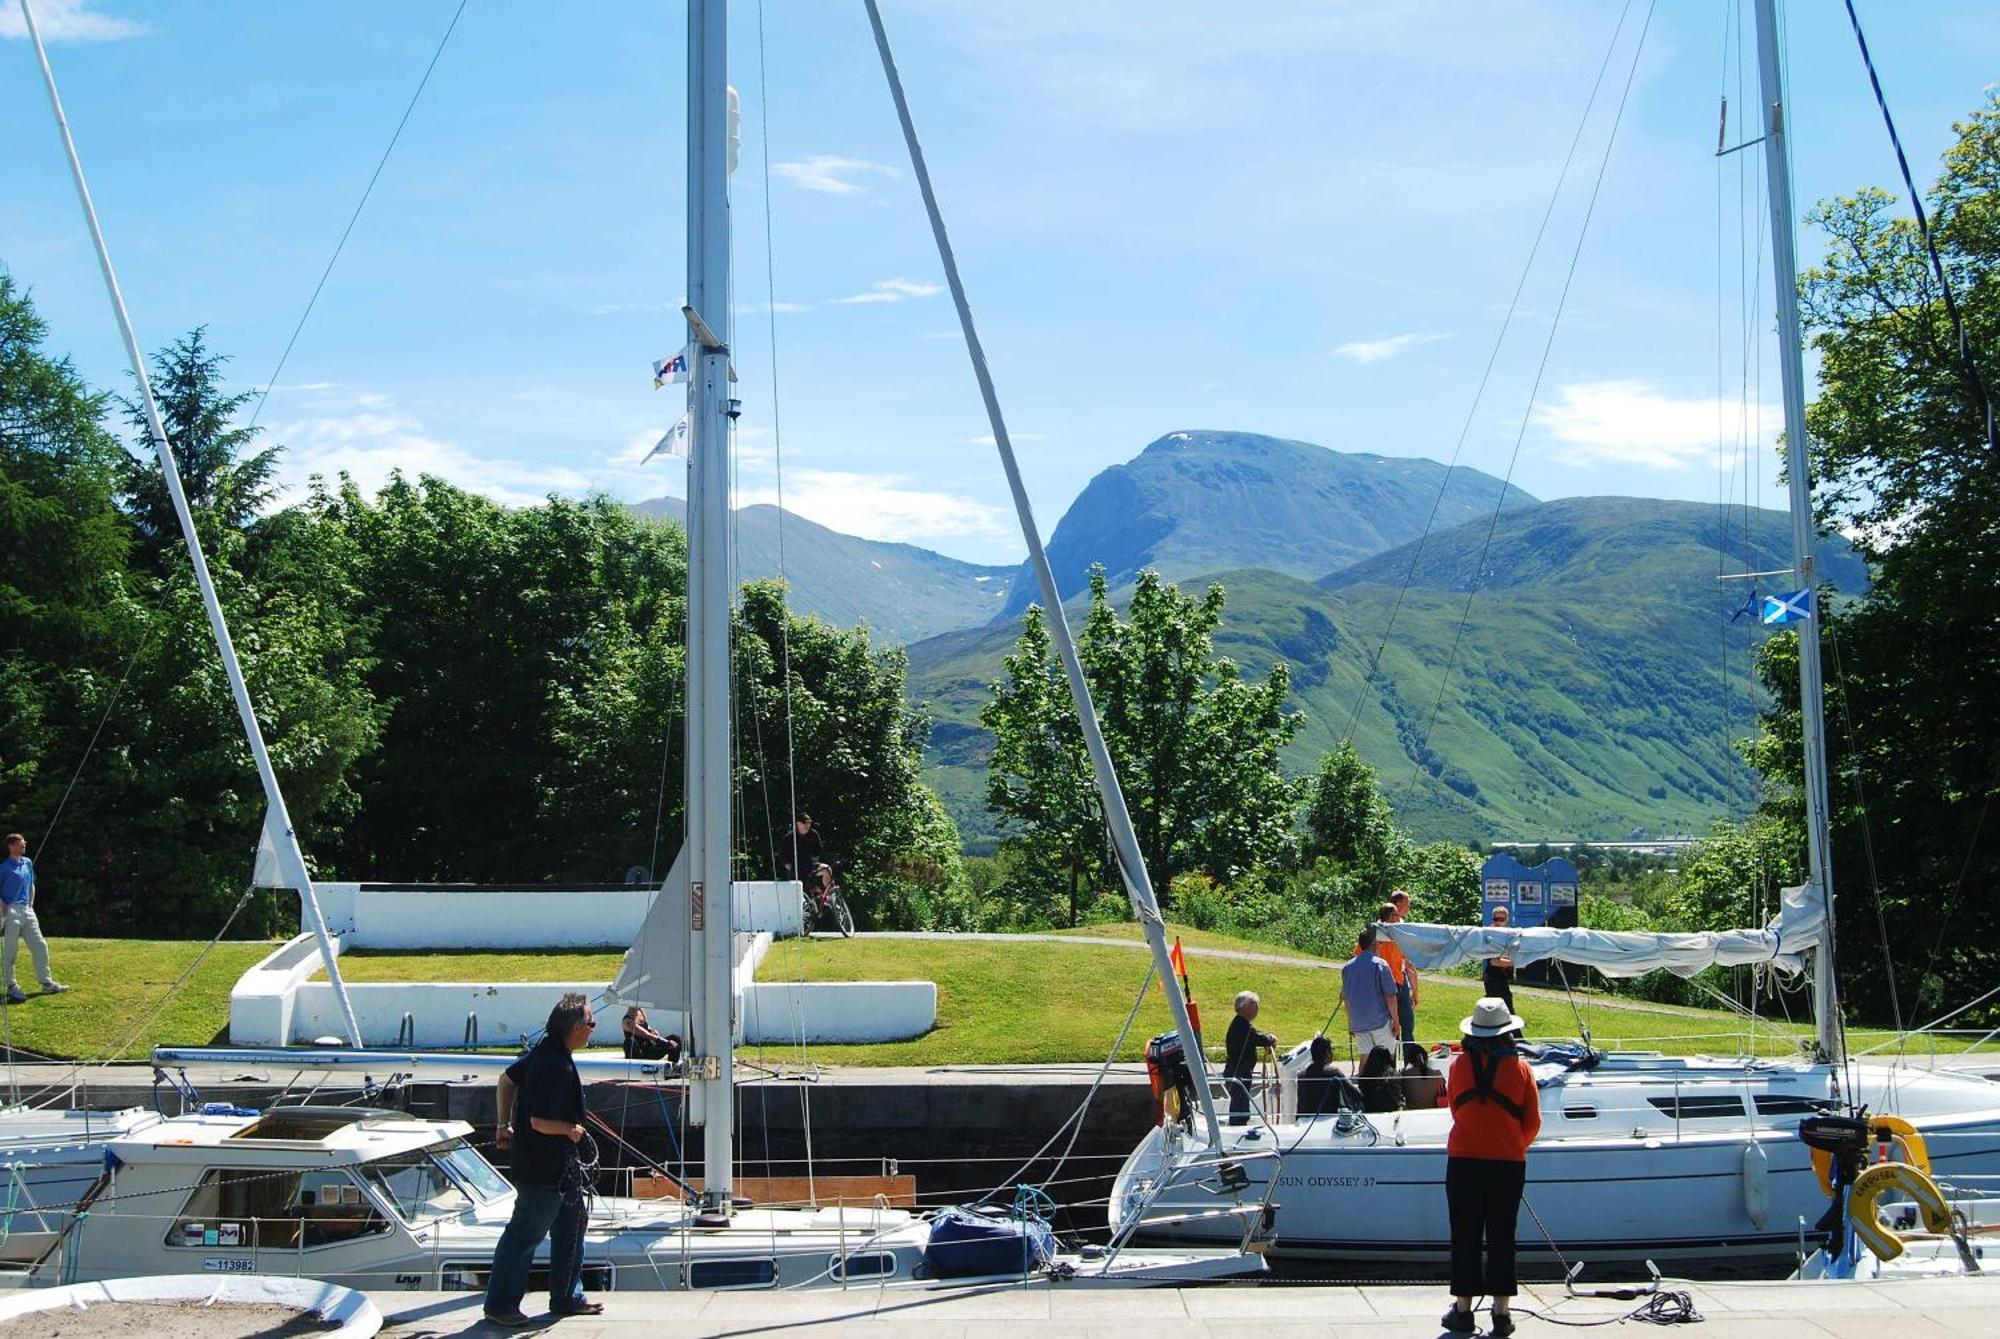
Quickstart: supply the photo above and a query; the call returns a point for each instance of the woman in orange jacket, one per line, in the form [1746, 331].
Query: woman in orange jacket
[1496, 1111]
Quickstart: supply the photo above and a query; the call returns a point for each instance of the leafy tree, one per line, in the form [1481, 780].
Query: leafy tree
[1195, 744]
[67, 626]
[850, 754]
[1901, 461]
[1039, 782]
[1347, 816]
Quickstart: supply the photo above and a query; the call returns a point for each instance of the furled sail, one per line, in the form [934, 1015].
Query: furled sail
[654, 972]
[1782, 943]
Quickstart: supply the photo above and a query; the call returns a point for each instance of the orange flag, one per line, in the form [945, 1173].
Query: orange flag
[1179, 962]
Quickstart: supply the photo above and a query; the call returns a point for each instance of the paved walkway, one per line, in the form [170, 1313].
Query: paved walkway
[1912, 1310]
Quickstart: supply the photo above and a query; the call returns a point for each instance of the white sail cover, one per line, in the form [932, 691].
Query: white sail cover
[1782, 943]
[654, 972]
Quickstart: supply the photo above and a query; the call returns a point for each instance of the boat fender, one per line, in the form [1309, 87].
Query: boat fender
[1756, 1184]
[1878, 1181]
[1891, 1133]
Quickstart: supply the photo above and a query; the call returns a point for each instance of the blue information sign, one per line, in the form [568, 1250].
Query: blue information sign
[1543, 894]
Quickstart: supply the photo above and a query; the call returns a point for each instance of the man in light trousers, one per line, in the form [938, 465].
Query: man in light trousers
[17, 899]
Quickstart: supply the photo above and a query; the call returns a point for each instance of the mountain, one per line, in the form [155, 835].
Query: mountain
[1196, 502]
[903, 593]
[1600, 684]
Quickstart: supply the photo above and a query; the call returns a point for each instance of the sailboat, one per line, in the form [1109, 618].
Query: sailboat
[384, 1200]
[1641, 1156]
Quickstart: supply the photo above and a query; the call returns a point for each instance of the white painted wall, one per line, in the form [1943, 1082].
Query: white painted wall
[465, 916]
[276, 1003]
[782, 1013]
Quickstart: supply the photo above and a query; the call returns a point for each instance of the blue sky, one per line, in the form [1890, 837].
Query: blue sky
[1306, 219]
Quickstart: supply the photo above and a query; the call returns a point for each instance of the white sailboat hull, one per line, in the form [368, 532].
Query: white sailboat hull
[1639, 1159]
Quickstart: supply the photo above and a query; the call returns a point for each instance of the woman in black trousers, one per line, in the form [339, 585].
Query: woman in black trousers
[1496, 1111]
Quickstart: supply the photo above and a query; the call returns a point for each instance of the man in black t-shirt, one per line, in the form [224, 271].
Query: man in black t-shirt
[803, 856]
[541, 1116]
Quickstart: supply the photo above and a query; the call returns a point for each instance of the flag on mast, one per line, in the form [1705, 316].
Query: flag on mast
[675, 443]
[1793, 608]
[667, 371]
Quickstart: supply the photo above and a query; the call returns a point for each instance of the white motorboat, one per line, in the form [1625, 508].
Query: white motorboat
[48, 1158]
[382, 1200]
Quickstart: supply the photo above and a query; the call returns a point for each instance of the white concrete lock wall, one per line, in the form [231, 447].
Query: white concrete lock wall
[277, 1003]
[465, 916]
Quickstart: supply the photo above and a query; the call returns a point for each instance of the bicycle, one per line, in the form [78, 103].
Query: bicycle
[817, 904]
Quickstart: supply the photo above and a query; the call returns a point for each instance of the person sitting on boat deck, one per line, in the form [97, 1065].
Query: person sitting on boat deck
[1496, 1112]
[1397, 908]
[1381, 1086]
[1324, 1089]
[1498, 977]
[642, 1043]
[542, 1106]
[1239, 1055]
[1368, 993]
[1423, 1086]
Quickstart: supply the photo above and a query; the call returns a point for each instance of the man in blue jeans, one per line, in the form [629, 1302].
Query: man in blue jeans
[541, 1115]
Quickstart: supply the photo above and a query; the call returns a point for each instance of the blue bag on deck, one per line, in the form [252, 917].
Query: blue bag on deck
[966, 1242]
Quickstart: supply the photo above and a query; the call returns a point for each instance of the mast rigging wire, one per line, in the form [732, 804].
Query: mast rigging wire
[1976, 383]
[1492, 357]
[271, 382]
[1548, 346]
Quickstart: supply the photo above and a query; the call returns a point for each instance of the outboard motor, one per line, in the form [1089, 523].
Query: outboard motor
[1844, 1139]
[1167, 1072]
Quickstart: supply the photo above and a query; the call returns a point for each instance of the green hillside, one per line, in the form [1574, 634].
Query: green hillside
[902, 592]
[1589, 696]
[1202, 501]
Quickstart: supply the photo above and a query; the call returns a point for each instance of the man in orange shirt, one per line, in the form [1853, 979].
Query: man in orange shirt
[1397, 908]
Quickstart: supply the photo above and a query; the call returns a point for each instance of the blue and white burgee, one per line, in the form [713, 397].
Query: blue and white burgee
[1793, 608]
[675, 442]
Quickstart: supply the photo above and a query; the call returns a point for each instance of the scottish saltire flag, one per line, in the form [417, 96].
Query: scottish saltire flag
[675, 443]
[1792, 608]
[1749, 607]
[669, 370]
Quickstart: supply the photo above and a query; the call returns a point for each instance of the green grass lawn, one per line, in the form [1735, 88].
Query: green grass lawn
[118, 997]
[997, 1002]
[1002, 1002]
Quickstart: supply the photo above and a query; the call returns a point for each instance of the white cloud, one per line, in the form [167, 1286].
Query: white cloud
[893, 290]
[880, 506]
[368, 442]
[67, 21]
[1631, 422]
[831, 174]
[1375, 350]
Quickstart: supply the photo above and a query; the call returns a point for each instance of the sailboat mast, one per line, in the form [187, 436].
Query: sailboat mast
[1784, 273]
[278, 820]
[711, 901]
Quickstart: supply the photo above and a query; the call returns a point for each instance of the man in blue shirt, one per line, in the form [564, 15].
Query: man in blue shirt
[1368, 993]
[17, 899]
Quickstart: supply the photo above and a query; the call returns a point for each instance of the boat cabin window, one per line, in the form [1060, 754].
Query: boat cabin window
[707, 1274]
[234, 1208]
[310, 1127]
[416, 1184]
[1779, 1105]
[872, 1265]
[470, 1169]
[1701, 1107]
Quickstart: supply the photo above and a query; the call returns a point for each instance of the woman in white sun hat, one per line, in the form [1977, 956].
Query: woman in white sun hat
[1496, 1112]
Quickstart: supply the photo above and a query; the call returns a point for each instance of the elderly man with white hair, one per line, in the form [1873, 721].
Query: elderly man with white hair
[1239, 1055]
